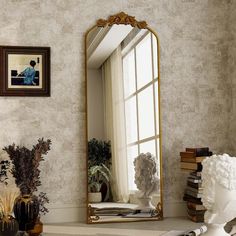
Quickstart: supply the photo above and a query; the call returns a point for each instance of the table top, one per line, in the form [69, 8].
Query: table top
[167, 227]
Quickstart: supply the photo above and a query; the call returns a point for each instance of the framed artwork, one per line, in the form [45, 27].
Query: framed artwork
[24, 71]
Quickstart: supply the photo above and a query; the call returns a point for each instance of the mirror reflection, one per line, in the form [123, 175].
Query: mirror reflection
[123, 124]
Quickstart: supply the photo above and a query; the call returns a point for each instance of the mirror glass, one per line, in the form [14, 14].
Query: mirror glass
[123, 128]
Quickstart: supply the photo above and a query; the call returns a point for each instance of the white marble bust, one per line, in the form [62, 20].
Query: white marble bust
[219, 192]
[146, 179]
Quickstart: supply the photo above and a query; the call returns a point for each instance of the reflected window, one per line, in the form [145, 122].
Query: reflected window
[129, 73]
[144, 61]
[140, 78]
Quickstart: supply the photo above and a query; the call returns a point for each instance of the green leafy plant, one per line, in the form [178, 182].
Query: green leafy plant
[99, 152]
[97, 175]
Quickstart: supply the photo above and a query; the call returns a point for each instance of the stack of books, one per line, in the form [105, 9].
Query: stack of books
[193, 195]
[191, 161]
[192, 157]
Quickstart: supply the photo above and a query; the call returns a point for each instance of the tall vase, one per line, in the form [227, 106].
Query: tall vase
[26, 211]
[8, 226]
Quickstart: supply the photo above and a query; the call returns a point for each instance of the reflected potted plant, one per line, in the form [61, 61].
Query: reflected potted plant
[97, 175]
[8, 193]
[99, 152]
[26, 172]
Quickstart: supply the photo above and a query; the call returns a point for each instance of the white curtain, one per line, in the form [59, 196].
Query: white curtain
[114, 123]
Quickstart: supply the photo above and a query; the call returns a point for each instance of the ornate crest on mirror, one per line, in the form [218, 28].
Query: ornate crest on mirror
[124, 163]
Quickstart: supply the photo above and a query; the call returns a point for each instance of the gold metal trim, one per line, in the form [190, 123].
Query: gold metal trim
[159, 211]
[123, 18]
[92, 216]
[160, 204]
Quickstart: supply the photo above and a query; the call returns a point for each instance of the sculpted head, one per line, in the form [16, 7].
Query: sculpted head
[146, 178]
[219, 188]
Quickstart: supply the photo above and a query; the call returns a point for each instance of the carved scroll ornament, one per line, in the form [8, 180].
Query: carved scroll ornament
[122, 18]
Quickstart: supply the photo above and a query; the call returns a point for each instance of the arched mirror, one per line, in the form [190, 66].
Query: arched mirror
[123, 121]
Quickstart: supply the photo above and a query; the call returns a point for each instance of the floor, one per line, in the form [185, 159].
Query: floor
[167, 227]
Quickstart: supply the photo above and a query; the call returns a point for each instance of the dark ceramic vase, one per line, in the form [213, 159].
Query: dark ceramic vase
[26, 211]
[8, 227]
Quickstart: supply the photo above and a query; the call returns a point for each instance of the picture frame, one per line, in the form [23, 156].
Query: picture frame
[24, 71]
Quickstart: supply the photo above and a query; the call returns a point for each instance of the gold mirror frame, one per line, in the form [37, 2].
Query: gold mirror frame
[125, 19]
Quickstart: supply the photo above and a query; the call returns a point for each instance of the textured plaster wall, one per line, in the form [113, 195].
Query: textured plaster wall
[95, 104]
[195, 98]
[232, 74]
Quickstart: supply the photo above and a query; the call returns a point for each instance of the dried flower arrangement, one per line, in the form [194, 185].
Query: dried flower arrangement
[8, 194]
[26, 165]
[25, 168]
[8, 224]
[43, 199]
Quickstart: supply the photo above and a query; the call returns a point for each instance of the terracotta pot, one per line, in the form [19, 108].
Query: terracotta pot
[8, 227]
[37, 230]
[26, 211]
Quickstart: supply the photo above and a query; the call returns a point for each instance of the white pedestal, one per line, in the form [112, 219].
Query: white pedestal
[144, 203]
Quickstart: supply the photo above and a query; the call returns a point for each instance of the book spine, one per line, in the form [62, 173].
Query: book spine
[191, 166]
[194, 206]
[199, 151]
[193, 194]
[194, 185]
[196, 213]
[194, 180]
[188, 159]
[192, 199]
[196, 174]
[195, 190]
[197, 219]
[187, 154]
[192, 159]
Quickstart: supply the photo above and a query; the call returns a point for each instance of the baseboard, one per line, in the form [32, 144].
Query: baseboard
[174, 209]
[65, 213]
